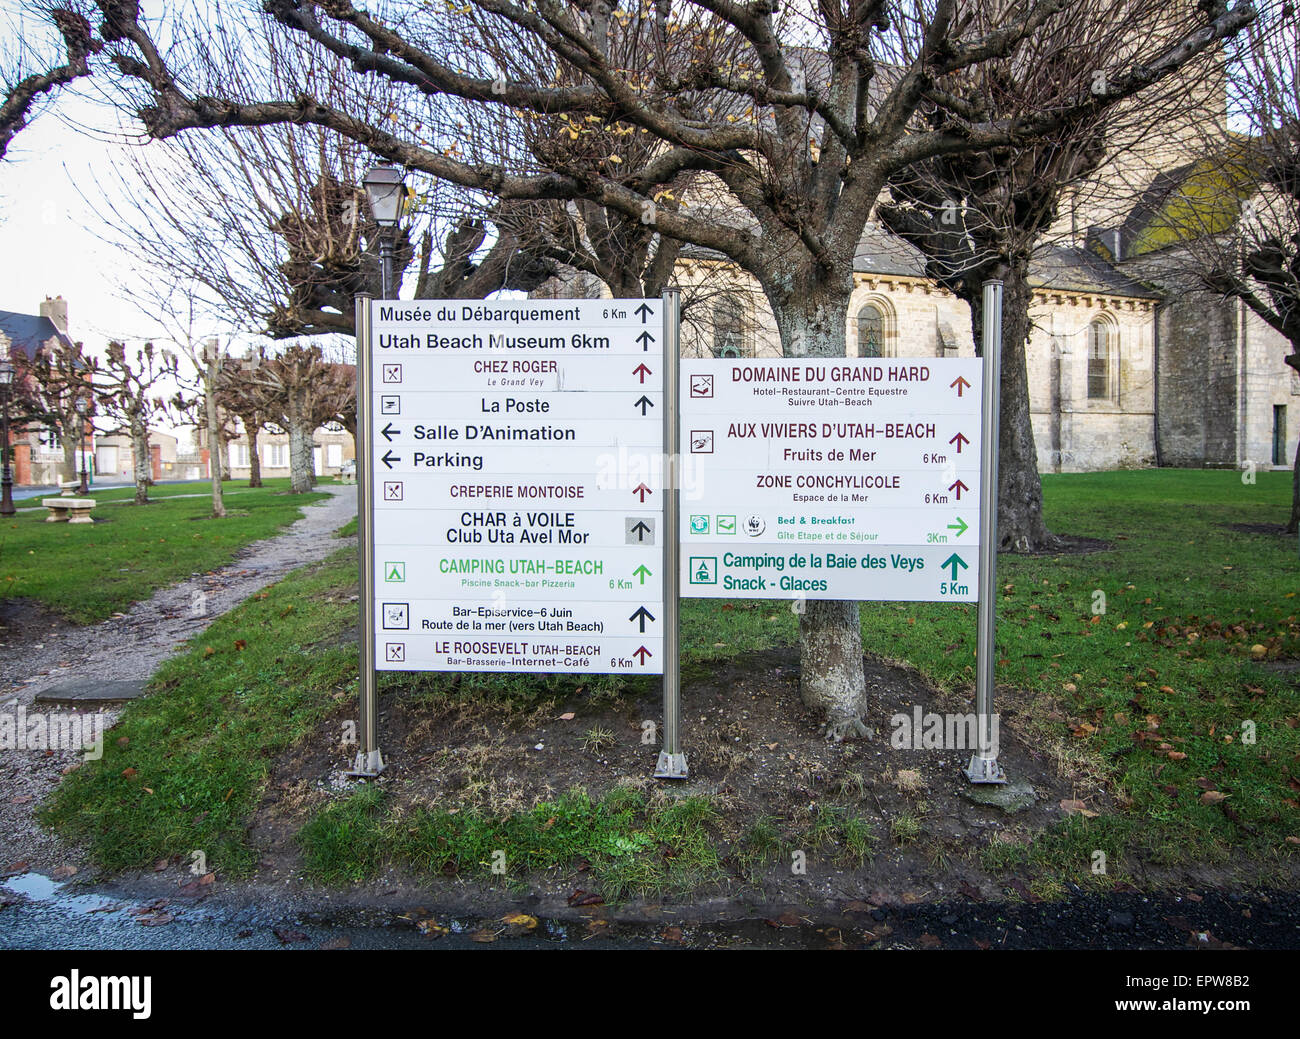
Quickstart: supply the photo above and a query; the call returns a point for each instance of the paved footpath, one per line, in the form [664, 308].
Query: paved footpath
[131, 646]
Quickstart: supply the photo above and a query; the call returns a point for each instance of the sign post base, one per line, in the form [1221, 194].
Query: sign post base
[985, 770]
[671, 766]
[368, 764]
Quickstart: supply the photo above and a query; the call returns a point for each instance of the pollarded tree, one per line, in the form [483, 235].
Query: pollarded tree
[127, 389]
[299, 390]
[812, 111]
[58, 377]
[22, 91]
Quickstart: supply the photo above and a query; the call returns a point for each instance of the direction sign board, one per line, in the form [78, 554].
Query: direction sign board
[830, 478]
[517, 485]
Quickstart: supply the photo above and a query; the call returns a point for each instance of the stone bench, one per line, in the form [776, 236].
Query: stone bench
[74, 510]
[68, 488]
[347, 477]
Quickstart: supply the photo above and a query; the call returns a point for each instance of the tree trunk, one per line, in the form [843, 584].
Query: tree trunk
[254, 462]
[68, 441]
[143, 462]
[300, 467]
[1293, 525]
[1020, 489]
[813, 322]
[214, 438]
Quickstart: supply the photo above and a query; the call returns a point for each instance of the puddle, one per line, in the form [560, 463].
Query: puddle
[38, 888]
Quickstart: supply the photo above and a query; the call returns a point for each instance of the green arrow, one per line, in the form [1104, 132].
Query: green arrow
[954, 561]
[642, 573]
[964, 526]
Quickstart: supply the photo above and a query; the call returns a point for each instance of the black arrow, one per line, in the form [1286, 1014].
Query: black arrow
[389, 432]
[640, 530]
[644, 615]
[643, 403]
[388, 461]
[643, 310]
[645, 339]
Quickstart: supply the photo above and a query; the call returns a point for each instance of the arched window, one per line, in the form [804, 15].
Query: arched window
[1101, 360]
[871, 331]
[728, 328]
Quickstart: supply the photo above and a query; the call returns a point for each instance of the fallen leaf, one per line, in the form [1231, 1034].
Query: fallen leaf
[1212, 797]
[66, 870]
[483, 936]
[430, 928]
[585, 898]
[128, 772]
[156, 919]
[288, 935]
[568, 716]
[521, 923]
[930, 941]
[1075, 807]
[335, 943]
[672, 934]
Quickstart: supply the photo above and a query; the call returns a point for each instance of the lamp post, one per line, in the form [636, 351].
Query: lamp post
[81, 405]
[387, 196]
[6, 473]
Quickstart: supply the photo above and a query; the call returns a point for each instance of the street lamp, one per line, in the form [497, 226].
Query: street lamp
[6, 473]
[81, 404]
[387, 195]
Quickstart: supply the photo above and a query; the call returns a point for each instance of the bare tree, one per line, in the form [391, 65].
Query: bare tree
[1230, 228]
[801, 134]
[982, 215]
[22, 91]
[129, 392]
[299, 390]
[240, 394]
[57, 377]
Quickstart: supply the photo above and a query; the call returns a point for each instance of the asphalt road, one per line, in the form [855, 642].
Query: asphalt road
[36, 913]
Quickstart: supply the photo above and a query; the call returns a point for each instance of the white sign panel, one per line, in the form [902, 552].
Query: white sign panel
[518, 521]
[830, 478]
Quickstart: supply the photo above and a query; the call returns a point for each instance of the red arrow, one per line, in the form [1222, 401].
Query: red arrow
[958, 487]
[642, 652]
[642, 490]
[960, 383]
[642, 371]
[959, 439]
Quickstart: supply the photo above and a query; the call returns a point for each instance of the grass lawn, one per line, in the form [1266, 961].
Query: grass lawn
[89, 572]
[1146, 665]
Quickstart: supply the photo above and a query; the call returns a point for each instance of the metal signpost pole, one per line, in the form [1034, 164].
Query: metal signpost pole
[984, 767]
[672, 762]
[369, 761]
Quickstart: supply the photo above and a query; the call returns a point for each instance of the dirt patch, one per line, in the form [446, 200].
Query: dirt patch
[754, 750]
[1257, 528]
[27, 621]
[1069, 545]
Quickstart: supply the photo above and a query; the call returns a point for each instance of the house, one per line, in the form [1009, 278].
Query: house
[332, 446]
[38, 454]
[114, 455]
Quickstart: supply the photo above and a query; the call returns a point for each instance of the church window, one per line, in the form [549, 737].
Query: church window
[871, 331]
[728, 328]
[1101, 361]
